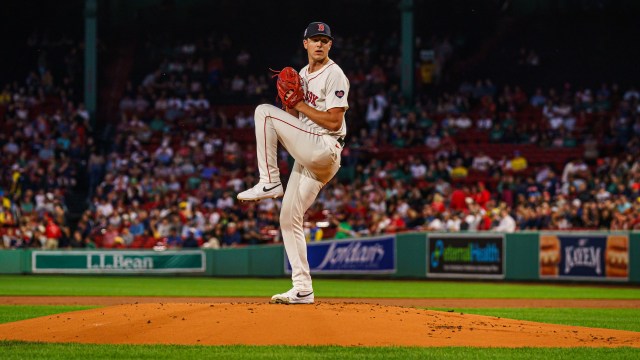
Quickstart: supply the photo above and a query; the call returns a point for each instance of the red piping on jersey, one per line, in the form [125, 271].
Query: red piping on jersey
[266, 158]
[308, 81]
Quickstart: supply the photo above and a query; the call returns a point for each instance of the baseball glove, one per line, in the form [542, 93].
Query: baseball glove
[289, 81]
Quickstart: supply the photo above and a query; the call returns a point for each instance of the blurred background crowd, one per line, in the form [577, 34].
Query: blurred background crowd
[512, 128]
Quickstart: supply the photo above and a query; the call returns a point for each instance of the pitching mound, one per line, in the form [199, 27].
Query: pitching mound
[319, 324]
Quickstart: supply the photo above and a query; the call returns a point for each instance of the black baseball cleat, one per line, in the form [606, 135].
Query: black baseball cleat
[262, 191]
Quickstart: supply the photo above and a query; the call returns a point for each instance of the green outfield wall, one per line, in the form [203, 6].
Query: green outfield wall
[411, 255]
[522, 256]
[525, 256]
[11, 261]
[634, 256]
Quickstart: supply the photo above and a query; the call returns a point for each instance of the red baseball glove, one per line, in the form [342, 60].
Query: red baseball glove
[289, 81]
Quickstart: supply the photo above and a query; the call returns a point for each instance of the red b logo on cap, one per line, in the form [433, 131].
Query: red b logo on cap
[320, 27]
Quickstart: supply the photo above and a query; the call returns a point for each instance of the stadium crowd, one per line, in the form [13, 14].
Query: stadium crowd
[180, 155]
[45, 140]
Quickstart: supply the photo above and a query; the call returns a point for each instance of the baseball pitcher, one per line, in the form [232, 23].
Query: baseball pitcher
[311, 126]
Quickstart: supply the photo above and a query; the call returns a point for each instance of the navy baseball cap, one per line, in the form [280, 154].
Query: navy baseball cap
[317, 28]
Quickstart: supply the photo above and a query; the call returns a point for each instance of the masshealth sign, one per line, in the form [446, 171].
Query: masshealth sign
[466, 256]
[357, 256]
[118, 262]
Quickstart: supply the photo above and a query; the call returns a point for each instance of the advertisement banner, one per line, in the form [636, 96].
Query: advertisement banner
[357, 256]
[118, 262]
[584, 257]
[465, 256]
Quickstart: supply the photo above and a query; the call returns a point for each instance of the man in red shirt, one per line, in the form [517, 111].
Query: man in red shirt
[483, 195]
[53, 234]
[458, 196]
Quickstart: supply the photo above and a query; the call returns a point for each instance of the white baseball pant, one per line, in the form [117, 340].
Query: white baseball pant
[317, 160]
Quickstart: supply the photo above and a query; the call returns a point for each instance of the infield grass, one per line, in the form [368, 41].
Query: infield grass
[235, 287]
[24, 350]
[9, 313]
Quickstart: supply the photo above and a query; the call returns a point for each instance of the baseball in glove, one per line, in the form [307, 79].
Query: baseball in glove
[289, 82]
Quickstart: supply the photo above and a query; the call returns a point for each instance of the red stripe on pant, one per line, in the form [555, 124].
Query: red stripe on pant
[266, 157]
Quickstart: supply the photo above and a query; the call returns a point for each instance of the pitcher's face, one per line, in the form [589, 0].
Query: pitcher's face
[317, 47]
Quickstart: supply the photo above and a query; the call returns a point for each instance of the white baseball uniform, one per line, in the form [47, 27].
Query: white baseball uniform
[316, 151]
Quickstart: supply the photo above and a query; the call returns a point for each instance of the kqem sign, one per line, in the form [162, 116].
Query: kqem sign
[584, 257]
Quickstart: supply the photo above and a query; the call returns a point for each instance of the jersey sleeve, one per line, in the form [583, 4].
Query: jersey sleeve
[337, 90]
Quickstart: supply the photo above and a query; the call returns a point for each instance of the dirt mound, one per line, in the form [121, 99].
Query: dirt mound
[344, 324]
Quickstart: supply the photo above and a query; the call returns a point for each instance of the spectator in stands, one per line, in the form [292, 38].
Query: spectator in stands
[481, 195]
[434, 222]
[396, 224]
[538, 99]
[376, 108]
[505, 222]
[190, 241]
[496, 134]
[458, 198]
[631, 94]
[459, 171]
[127, 237]
[518, 162]
[451, 221]
[232, 236]
[174, 240]
[53, 234]
[432, 140]
[250, 232]
[482, 162]
[164, 154]
[163, 228]
[463, 122]
[11, 147]
[418, 168]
